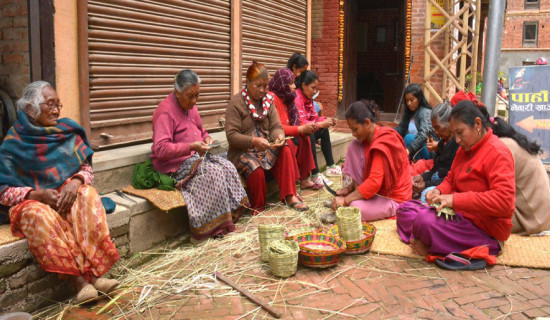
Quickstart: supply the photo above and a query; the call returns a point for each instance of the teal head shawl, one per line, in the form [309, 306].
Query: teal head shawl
[42, 157]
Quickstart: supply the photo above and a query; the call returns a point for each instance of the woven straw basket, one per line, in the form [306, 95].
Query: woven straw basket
[266, 234]
[349, 223]
[283, 257]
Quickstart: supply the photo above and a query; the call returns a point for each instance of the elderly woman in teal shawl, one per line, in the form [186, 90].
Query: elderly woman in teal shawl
[45, 179]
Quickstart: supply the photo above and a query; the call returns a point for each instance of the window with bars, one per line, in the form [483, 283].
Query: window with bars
[530, 33]
[532, 4]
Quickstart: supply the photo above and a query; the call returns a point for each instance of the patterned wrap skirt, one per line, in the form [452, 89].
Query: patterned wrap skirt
[77, 244]
[212, 191]
[253, 159]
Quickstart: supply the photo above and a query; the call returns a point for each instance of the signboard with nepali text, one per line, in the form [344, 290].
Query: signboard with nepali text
[530, 104]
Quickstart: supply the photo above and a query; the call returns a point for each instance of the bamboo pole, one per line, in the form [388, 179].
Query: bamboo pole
[427, 33]
[446, 50]
[462, 77]
[476, 45]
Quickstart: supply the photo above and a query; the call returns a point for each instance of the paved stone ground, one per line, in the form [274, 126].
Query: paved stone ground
[368, 286]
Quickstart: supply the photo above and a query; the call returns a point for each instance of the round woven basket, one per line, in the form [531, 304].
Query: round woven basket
[293, 231]
[283, 257]
[361, 246]
[349, 223]
[319, 249]
[266, 234]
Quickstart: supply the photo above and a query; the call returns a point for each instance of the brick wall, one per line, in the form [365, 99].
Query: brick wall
[324, 51]
[324, 56]
[513, 25]
[14, 47]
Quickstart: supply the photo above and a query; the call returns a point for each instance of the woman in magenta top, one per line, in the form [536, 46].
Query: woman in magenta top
[306, 88]
[210, 184]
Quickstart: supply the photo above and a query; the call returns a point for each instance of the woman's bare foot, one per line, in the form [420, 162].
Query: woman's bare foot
[419, 247]
[308, 184]
[344, 191]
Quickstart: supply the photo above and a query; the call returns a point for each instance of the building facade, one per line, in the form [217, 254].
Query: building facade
[112, 62]
[526, 36]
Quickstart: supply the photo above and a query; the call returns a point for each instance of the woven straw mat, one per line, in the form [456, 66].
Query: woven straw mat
[164, 200]
[5, 235]
[530, 252]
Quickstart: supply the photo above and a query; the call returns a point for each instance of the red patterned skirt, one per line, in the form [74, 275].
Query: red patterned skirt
[77, 244]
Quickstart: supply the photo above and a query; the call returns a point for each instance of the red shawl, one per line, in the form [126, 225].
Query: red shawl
[397, 183]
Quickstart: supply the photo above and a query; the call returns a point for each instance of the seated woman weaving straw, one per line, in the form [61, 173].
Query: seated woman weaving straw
[445, 150]
[210, 184]
[257, 141]
[45, 177]
[482, 196]
[283, 90]
[376, 171]
[532, 184]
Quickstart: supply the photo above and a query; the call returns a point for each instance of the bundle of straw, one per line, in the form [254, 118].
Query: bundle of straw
[268, 233]
[349, 223]
[283, 257]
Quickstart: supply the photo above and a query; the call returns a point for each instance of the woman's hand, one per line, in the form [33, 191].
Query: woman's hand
[325, 123]
[430, 195]
[208, 140]
[46, 196]
[200, 147]
[260, 144]
[307, 129]
[281, 139]
[431, 144]
[68, 196]
[338, 202]
[446, 200]
[418, 183]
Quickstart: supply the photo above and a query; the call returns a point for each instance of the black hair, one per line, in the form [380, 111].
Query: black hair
[416, 90]
[467, 111]
[297, 61]
[306, 77]
[362, 110]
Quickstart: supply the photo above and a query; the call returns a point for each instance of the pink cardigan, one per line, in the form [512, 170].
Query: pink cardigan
[306, 109]
[173, 132]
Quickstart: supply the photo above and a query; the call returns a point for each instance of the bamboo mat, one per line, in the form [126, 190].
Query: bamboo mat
[164, 200]
[5, 235]
[531, 252]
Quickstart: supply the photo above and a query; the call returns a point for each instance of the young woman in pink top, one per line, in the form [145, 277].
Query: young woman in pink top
[306, 88]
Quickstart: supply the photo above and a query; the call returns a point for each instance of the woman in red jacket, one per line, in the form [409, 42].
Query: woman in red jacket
[480, 188]
[377, 163]
[284, 92]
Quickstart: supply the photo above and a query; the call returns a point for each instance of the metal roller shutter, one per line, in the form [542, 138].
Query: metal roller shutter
[272, 32]
[135, 50]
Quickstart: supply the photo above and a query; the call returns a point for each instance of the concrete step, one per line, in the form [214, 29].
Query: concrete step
[113, 168]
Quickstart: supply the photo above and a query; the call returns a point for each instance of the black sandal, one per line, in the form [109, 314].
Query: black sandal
[293, 206]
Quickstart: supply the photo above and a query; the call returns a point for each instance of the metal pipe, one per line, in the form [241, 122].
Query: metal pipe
[492, 53]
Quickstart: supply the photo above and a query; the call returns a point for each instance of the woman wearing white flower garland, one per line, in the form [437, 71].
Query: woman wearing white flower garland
[257, 144]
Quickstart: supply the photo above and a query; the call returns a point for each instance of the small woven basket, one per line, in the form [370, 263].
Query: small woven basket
[349, 223]
[266, 234]
[283, 257]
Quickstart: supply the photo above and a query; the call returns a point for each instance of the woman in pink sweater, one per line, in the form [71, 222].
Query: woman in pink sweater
[210, 184]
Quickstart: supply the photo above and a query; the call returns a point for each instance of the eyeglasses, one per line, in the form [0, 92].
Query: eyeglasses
[52, 105]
